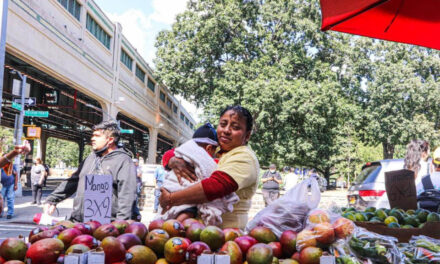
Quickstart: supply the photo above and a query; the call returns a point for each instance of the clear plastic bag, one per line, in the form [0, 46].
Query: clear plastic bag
[289, 211]
[423, 249]
[323, 227]
[367, 245]
[342, 253]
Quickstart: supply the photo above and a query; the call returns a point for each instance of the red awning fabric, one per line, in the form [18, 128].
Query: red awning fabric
[408, 21]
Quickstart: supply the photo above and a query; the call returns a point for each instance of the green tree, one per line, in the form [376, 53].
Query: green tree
[6, 139]
[400, 102]
[270, 57]
[58, 150]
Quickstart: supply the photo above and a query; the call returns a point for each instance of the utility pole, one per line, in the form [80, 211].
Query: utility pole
[18, 131]
[3, 48]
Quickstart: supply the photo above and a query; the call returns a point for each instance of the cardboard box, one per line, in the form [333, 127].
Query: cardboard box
[401, 189]
[430, 229]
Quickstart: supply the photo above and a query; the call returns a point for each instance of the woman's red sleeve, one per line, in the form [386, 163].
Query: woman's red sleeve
[219, 185]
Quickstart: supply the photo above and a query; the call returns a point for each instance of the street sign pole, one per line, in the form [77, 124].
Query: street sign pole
[4, 22]
[20, 119]
[19, 127]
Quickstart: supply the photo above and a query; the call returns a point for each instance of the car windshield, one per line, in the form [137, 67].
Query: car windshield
[368, 174]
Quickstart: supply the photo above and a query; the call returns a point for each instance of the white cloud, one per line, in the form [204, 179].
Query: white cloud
[135, 27]
[165, 11]
[141, 30]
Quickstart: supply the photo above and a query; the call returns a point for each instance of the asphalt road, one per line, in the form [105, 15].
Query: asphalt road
[14, 230]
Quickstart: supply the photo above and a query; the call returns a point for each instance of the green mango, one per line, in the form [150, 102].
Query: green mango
[397, 214]
[371, 209]
[422, 215]
[381, 214]
[360, 217]
[368, 215]
[433, 217]
[349, 216]
[410, 212]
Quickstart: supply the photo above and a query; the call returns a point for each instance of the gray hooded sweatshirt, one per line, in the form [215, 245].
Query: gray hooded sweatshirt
[117, 163]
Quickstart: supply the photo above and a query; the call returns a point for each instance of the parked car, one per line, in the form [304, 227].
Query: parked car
[332, 184]
[322, 184]
[368, 189]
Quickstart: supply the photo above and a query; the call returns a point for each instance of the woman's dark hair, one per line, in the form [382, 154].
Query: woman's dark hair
[414, 152]
[242, 112]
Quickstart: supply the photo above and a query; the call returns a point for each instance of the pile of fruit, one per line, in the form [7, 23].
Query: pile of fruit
[394, 218]
[174, 242]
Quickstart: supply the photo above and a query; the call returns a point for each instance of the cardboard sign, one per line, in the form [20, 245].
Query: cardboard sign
[98, 198]
[401, 189]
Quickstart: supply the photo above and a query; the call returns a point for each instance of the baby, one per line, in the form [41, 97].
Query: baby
[199, 152]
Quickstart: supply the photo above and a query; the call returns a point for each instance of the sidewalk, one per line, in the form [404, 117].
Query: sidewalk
[24, 211]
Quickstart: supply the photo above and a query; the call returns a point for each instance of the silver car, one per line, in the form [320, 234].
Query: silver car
[368, 189]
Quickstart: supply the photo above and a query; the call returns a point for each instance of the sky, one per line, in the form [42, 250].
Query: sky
[141, 21]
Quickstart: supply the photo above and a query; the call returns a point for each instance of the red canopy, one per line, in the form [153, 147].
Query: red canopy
[407, 21]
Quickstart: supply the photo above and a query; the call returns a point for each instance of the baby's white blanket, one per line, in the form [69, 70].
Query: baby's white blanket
[204, 166]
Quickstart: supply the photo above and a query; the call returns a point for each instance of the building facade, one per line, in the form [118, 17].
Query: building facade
[71, 50]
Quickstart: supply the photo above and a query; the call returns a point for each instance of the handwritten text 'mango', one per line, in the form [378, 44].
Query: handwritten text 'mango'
[101, 187]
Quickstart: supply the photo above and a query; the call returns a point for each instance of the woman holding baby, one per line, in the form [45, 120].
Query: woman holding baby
[237, 170]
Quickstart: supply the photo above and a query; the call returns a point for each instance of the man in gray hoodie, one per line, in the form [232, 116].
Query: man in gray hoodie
[106, 158]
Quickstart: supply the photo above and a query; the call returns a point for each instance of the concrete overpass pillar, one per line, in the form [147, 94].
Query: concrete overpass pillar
[81, 151]
[109, 111]
[43, 144]
[152, 146]
[28, 161]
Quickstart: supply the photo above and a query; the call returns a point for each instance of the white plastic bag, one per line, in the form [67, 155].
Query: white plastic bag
[289, 211]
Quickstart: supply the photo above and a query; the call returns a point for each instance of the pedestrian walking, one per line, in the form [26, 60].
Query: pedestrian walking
[6, 170]
[9, 181]
[38, 177]
[271, 184]
[291, 179]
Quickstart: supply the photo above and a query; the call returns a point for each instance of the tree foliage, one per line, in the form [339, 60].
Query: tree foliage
[271, 58]
[401, 99]
[318, 99]
[58, 150]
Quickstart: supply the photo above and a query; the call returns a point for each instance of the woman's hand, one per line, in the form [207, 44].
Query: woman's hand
[182, 169]
[165, 200]
[23, 149]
